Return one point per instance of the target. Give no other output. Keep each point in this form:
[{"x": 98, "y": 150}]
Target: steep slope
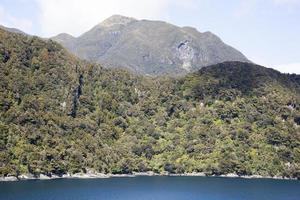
[
  {"x": 150, "y": 47},
  {"x": 60, "y": 115}
]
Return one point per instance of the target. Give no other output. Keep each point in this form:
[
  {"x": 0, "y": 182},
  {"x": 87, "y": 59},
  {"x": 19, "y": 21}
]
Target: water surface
[{"x": 152, "y": 188}]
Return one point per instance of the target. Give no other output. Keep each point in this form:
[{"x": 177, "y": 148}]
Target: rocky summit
[{"x": 149, "y": 47}]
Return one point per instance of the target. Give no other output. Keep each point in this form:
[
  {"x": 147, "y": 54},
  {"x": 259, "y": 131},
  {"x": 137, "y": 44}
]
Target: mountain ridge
[
  {"x": 150, "y": 47},
  {"x": 13, "y": 30}
]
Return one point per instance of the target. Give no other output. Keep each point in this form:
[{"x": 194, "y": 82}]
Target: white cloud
[
  {"x": 289, "y": 68},
  {"x": 244, "y": 8},
  {"x": 287, "y": 2},
  {"x": 10, "y": 21},
  {"x": 247, "y": 7},
  {"x": 77, "y": 16}
]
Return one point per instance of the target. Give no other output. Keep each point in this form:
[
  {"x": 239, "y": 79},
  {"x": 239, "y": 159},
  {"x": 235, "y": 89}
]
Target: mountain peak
[
  {"x": 117, "y": 20},
  {"x": 63, "y": 37},
  {"x": 151, "y": 47}
]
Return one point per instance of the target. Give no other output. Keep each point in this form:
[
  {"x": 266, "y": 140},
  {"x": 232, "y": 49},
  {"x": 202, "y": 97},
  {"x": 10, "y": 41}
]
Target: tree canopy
[{"x": 59, "y": 114}]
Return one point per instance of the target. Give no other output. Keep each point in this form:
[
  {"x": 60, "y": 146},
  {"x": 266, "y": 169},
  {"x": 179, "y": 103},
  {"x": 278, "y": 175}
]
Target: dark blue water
[{"x": 152, "y": 188}]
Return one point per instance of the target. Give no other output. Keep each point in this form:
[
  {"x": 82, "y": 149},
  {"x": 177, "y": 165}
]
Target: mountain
[
  {"x": 149, "y": 47},
  {"x": 61, "y": 115},
  {"x": 64, "y": 39}
]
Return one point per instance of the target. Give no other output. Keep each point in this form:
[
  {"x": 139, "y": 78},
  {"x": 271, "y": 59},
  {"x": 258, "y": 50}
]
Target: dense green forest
[{"x": 59, "y": 114}]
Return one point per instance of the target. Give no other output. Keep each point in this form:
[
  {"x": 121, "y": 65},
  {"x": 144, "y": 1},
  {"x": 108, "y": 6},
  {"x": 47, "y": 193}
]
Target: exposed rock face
[
  {"x": 186, "y": 54},
  {"x": 149, "y": 47}
]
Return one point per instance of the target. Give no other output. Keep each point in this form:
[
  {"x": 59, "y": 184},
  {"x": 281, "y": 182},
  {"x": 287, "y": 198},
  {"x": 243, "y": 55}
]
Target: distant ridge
[{"x": 13, "y": 30}]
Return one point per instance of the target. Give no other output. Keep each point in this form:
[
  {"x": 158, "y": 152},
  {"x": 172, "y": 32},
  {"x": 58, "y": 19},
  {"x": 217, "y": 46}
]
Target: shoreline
[{"x": 25, "y": 177}]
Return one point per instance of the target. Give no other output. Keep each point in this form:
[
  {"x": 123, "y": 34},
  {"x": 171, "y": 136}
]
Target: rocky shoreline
[{"x": 134, "y": 174}]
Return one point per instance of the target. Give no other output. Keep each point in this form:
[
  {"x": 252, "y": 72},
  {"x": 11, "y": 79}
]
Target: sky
[{"x": 265, "y": 31}]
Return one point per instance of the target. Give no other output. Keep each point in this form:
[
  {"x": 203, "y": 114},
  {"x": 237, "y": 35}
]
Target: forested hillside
[{"x": 61, "y": 115}]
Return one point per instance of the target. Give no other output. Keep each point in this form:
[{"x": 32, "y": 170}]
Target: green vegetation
[{"x": 59, "y": 114}]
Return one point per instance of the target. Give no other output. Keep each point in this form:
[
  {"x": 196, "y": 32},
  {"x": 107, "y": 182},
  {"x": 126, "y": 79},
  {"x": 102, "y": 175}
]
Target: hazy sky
[{"x": 266, "y": 31}]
